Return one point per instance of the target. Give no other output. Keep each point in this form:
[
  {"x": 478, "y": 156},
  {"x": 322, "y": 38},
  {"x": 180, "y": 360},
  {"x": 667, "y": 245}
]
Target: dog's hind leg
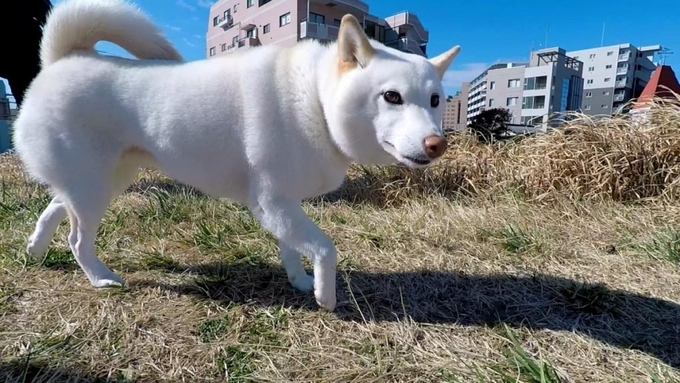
[
  {"x": 47, "y": 225},
  {"x": 55, "y": 213},
  {"x": 86, "y": 206}
]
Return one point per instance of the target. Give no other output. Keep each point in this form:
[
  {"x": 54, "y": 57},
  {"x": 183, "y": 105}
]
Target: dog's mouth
[
  {"x": 406, "y": 160},
  {"x": 418, "y": 161}
]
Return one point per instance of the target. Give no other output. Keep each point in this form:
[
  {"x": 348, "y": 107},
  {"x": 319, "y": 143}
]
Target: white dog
[{"x": 267, "y": 127}]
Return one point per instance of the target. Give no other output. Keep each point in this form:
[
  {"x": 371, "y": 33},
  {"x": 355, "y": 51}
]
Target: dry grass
[
  {"x": 587, "y": 159},
  {"x": 521, "y": 263}
]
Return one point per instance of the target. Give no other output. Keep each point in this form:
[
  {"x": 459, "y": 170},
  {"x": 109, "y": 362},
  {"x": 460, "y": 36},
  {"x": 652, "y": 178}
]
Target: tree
[{"x": 491, "y": 124}]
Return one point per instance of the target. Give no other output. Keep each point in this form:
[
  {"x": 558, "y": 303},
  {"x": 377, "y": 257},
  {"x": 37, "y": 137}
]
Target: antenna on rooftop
[
  {"x": 602, "y": 39},
  {"x": 663, "y": 53}
]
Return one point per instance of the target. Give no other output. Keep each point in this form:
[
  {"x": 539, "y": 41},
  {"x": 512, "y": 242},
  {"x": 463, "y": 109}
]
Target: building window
[
  {"x": 492, "y": 85},
  {"x": 587, "y": 107},
  {"x": 605, "y": 93},
  {"x": 511, "y": 101},
  {"x": 490, "y": 102},
  {"x": 589, "y": 81},
  {"x": 531, "y": 83},
  {"x": 533, "y": 102},
  {"x": 317, "y": 18},
  {"x": 250, "y": 3},
  {"x": 591, "y": 68},
  {"x": 513, "y": 83},
  {"x": 610, "y": 53},
  {"x": 266, "y": 29},
  {"x": 607, "y": 79},
  {"x": 250, "y": 33},
  {"x": 224, "y": 47},
  {"x": 235, "y": 7},
  {"x": 227, "y": 14},
  {"x": 216, "y": 21},
  {"x": 609, "y": 66},
  {"x": 589, "y": 94},
  {"x": 336, "y": 22},
  {"x": 212, "y": 51},
  {"x": 234, "y": 40},
  {"x": 284, "y": 19},
  {"x": 592, "y": 55},
  {"x": 605, "y": 106}
]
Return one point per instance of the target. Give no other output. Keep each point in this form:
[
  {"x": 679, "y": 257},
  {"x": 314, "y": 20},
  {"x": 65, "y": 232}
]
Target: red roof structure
[{"x": 660, "y": 85}]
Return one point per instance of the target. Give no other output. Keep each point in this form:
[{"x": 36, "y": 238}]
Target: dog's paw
[
  {"x": 303, "y": 282},
  {"x": 325, "y": 299},
  {"x": 111, "y": 281},
  {"x": 36, "y": 249}
]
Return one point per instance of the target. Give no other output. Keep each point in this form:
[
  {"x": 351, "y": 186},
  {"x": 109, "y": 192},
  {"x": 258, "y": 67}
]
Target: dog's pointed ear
[
  {"x": 354, "y": 49},
  {"x": 445, "y": 59}
]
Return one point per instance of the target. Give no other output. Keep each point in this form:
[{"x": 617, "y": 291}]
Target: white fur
[{"x": 267, "y": 127}]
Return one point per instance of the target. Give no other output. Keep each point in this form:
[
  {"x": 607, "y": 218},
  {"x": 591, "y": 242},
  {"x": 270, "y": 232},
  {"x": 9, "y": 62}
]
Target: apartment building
[
  {"x": 534, "y": 92},
  {"x": 613, "y": 75},
  {"x": 240, "y": 24},
  {"x": 553, "y": 84},
  {"x": 455, "y": 114},
  {"x": 484, "y": 90}
]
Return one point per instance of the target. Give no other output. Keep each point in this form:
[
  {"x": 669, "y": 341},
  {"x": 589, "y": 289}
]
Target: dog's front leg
[{"x": 289, "y": 223}]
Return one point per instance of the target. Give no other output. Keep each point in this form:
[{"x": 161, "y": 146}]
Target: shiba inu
[{"x": 266, "y": 127}]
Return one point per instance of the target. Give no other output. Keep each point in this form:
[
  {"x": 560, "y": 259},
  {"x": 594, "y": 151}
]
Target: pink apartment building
[{"x": 240, "y": 24}]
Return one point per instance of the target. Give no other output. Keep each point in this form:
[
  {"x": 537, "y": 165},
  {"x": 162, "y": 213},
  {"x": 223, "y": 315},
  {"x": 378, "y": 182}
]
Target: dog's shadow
[{"x": 617, "y": 318}]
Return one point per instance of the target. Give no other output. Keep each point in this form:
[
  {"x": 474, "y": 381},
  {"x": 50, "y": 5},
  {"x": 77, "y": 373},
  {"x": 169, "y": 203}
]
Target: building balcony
[
  {"x": 312, "y": 30},
  {"x": 401, "y": 21},
  {"x": 225, "y": 22},
  {"x": 354, "y": 4},
  {"x": 538, "y": 86},
  {"x": 620, "y": 84},
  {"x": 405, "y": 44},
  {"x": 624, "y": 57},
  {"x": 245, "y": 42},
  {"x": 621, "y": 70},
  {"x": 619, "y": 96}
]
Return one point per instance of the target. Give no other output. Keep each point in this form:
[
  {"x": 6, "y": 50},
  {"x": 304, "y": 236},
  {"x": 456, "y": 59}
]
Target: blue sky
[{"x": 502, "y": 31}]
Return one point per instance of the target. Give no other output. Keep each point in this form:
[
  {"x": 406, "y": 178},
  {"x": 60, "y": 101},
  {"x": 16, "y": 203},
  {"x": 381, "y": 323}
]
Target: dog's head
[{"x": 387, "y": 106}]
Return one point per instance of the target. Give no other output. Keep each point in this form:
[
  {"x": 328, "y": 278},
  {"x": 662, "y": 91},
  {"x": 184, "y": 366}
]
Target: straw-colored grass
[
  {"x": 587, "y": 159},
  {"x": 554, "y": 259}
]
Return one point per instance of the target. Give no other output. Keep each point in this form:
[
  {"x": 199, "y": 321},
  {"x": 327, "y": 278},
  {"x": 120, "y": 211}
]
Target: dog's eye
[
  {"x": 434, "y": 101},
  {"x": 393, "y": 97}
]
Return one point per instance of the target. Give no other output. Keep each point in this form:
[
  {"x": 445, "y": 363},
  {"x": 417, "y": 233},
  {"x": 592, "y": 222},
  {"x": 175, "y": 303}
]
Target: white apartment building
[
  {"x": 613, "y": 75},
  {"x": 535, "y": 92},
  {"x": 478, "y": 88}
]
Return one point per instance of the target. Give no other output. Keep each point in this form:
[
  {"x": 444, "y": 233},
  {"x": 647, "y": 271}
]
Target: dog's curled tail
[{"x": 80, "y": 24}]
